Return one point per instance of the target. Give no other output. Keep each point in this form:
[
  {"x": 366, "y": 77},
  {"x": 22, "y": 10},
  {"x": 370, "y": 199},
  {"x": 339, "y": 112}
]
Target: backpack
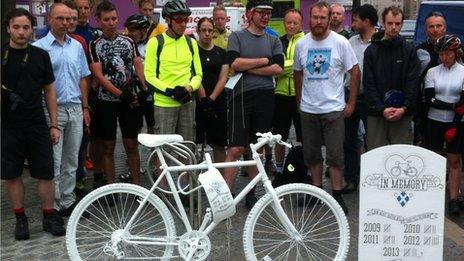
[
  {"x": 160, "y": 39},
  {"x": 295, "y": 170}
]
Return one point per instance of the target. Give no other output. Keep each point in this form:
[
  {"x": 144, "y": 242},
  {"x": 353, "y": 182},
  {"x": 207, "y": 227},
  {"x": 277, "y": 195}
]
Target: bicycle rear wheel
[
  {"x": 317, "y": 217},
  {"x": 104, "y": 213}
]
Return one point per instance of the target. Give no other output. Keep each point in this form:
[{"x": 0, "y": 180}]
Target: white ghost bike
[{"x": 128, "y": 222}]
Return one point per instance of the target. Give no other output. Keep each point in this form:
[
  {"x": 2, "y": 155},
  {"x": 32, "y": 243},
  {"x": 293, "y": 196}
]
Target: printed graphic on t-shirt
[
  {"x": 116, "y": 57},
  {"x": 318, "y": 63}
]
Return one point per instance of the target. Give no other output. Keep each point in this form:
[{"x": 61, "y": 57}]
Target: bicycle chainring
[{"x": 190, "y": 240}]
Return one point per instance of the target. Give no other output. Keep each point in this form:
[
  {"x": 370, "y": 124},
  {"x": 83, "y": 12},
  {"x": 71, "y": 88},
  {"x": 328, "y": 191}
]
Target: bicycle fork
[{"x": 283, "y": 218}]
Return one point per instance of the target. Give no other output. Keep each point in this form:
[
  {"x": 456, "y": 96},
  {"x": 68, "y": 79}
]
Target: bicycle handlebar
[{"x": 268, "y": 138}]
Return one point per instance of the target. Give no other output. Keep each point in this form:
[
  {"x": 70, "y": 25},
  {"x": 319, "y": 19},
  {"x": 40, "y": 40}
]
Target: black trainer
[
  {"x": 453, "y": 207},
  {"x": 342, "y": 204},
  {"x": 22, "y": 228},
  {"x": 250, "y": 201},
  {"x": 53, "y": 224},
  {"x": 349, "y": 188},
  {"x": 68, "y": 211},
  {"x": 99, "y": 183}
]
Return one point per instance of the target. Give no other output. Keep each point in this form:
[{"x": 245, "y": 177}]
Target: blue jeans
[{"x": 351, "y": 144}]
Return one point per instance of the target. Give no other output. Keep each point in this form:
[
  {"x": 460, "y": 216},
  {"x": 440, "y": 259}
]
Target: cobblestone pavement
[{"x": 226, "y": 244}]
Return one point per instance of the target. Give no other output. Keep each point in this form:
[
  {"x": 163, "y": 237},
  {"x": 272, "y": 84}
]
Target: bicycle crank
[{"x": 194, "y": 245}]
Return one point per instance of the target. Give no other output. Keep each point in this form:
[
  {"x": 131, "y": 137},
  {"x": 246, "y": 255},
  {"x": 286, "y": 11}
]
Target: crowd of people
[{"x": 64, "y": 96}]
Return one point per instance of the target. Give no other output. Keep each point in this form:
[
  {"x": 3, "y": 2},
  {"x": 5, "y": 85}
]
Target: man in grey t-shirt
[{"x": 259, "y": 57}]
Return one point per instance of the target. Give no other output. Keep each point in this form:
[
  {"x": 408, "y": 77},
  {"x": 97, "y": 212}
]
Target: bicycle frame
[{"x": 205, "y": 228}]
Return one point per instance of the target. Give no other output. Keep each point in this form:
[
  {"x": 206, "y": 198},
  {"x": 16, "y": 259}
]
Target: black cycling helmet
[
  {"x": 261, "y": 4},
  {"x": 138, "y": 20},
  {"x": 175, "y": 7},
  {"x": 449, "y": 42}
]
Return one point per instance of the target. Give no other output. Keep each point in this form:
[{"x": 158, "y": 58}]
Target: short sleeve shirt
[
  {"x": 249, "y": 45},
  {"x": 27, "y": 80},
  {"x": 211, "y": 62},
  {"x": 324, "y": 64},
  {"x": 448, "y": 85},
  {"x": 116, "y": 57}
]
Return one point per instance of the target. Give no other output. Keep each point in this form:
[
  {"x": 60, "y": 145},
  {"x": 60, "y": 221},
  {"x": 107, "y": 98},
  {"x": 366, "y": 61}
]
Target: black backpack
[{"x": 295, "y": 170}]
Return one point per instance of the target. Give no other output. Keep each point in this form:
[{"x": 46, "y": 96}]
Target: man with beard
[
  {"x": 364, "y": 20},
  {"x": 336, "y": 20},
  {"x": 390, "y": 78},
  {"x": 320, "y": 96},
  {"x": 259, "y": 57}
]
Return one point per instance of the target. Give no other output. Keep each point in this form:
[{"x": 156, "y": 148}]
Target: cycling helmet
[
  {"x": 139, "y": 20},
  {"x": 449, "y": 42},
  {"x": 394, "y": 98},
  {"x": 175, "y": 7},
  {"x": 261, "y": 4}
]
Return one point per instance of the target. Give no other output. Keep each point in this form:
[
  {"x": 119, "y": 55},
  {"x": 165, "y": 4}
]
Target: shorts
[
  {"x": 147, "y": 111},
  {"x": 107, "y": 115},
  {"x": 435, "y": 137},
  {"x": 319, "y": 129},
  {"x": 176, "y": 120},
  {"x": 286, "y": 112},
  {"x": 247, "y": 114},
  {"x": 212, "y": 129},
  {"x": 30, "y": 141}
]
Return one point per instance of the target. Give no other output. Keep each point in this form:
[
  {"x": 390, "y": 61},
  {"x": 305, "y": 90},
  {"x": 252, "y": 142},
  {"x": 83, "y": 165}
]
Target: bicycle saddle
[{"x": 156, "y": 140}]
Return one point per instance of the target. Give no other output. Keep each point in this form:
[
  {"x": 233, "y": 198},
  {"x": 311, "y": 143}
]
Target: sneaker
[
  {"x": 125, "y": 177},
  {"x": 327, "y": 173},
  {"x": 88, "y": 165},
  {"x": 80, "y": 190},
  {"x": 453, "y": 207},
  {"x": 21, "y": 228},
  {"x": 342, "y": 204},
  {"x": 250, "y": 201},
  {"x": 349, "y": 188},
  {"x": 53, "y": 224}
]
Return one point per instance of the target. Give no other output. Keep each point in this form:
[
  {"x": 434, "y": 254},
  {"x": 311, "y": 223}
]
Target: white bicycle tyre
[
  {"x": 101, "y": 192},
  {"x": 265, "y": 201}
]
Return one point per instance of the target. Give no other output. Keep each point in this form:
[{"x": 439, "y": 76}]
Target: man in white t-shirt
[{"x": 322, "y": 58}]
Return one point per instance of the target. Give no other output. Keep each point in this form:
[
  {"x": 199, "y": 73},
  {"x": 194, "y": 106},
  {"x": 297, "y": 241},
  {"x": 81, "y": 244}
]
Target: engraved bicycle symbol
[{"x": 405, "y": 168}]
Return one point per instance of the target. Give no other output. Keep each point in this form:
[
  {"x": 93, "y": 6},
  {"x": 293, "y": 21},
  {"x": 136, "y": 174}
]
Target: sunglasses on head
[{"x": 180, "y": 19}]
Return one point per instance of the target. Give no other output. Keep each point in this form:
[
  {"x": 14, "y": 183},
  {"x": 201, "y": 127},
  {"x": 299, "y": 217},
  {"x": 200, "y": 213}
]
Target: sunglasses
[
  {"x": 263, "y": 14},
  {"x": 181, "y": 19}
]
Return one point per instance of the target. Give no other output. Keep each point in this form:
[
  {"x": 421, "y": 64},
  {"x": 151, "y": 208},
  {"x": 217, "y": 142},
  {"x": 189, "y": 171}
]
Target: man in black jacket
[
  {"x": 390, "y": 77},
  {"x": 435, "y": 27}
]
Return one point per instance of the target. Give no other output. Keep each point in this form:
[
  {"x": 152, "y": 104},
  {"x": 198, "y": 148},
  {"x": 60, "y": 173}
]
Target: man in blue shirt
[
  {"x": 83, "y": 27},
  {"x": 70, "y": 69}
]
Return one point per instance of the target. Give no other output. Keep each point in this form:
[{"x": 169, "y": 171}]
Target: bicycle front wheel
[
  {"x": 319, "y": 220},
  {"x": 102, "y": 215}
]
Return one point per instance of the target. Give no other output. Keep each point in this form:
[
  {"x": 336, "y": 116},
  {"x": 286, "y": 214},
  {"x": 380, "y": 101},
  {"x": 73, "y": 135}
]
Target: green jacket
[
  {"x": 285, "y": 85},
  {"x": 175, "y": 67}
]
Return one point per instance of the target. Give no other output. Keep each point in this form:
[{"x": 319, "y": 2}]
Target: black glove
[
  {"x": 181, "y": 95},
  {"x": 142, "y": 95},
  {"x": 207, "y": 107},
  {"x": 126, "y": 96}
]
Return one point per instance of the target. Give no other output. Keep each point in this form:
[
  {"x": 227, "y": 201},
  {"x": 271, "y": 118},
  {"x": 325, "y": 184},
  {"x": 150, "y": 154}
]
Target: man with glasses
[
  {"x": 146, "y": 8},
  {"x": 322, "y": 58},
  {"x": 173, "y": 69},
  {"x": 259, "y": 57},
  {"x": 220, "y": 33},
  {"x": 435, "y": 27},
  {"x": 71, "y": 70}
]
